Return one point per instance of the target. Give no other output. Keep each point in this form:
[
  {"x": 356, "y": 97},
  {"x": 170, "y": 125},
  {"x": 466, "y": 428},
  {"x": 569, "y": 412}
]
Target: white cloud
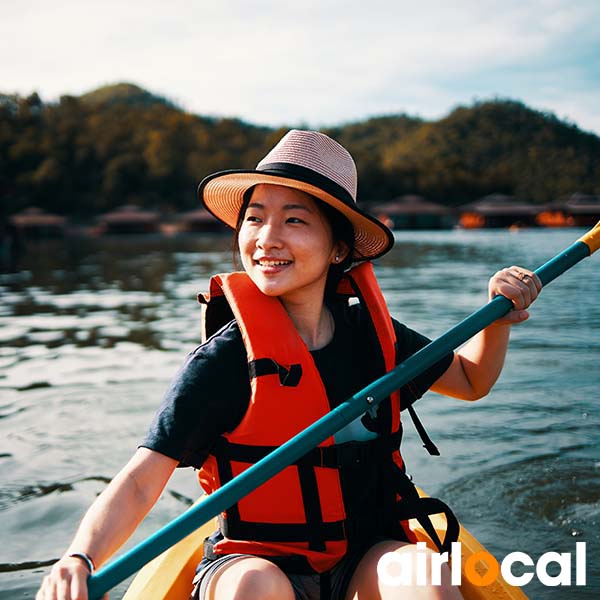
[{"x": 317, "y": 62}]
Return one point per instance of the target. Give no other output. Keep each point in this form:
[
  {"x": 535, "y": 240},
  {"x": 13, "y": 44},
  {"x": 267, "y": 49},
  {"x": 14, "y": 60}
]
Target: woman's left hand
[{"x": 520, "y": 286}]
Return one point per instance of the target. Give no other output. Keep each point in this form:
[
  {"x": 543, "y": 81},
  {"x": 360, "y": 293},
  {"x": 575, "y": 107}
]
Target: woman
[{"x": 284, "y": 347}]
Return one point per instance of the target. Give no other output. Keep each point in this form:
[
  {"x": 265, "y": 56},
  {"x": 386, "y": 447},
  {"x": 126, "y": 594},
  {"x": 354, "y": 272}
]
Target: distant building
[
  {"x": 579, "y": 210},
  {"x": 498, "y": 210},
  {"x": 583, "y": 209},
  {"x": 34, "y": 223},
  {"x": 200, "y": 221},
  {"x": 414, "y": 212},
  {"x": 129, "y": 220}
]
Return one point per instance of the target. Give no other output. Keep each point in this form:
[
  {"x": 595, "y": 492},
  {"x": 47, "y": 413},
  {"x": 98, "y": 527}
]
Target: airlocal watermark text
[{"x": 398, "y": 568}]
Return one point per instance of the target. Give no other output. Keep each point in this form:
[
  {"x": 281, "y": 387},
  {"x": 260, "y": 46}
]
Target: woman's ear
[{"x": 341, "y": 251}]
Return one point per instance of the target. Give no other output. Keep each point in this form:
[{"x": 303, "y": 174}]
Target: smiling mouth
[{"x": 273, "y": 263}]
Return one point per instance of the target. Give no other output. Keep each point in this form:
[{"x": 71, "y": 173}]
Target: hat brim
[{"x": 222, "y": 194}]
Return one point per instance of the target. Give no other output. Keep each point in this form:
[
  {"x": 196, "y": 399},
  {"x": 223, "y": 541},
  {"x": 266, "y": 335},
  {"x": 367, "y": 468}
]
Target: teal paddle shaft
[{"x": 312, "y": 436}]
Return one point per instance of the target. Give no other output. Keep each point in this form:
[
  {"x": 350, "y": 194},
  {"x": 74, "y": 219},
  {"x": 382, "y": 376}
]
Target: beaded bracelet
[{"x": 86, "y": 558}]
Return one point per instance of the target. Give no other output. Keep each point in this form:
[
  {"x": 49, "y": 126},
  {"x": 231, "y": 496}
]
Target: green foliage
[
  {"x": 123, "y": 93},
  {"x": 368, "y": 141},
  {"x": 123, "y": 145},
  {"x": 498, "y": 146}
]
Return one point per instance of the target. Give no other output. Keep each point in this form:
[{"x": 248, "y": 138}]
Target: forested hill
[{"x": 121, "y": 144}]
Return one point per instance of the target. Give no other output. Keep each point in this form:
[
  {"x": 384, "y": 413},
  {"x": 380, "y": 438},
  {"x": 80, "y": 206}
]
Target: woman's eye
[
  {"x": 295, "y": 220},
  {"x": 252, "y": 219}
]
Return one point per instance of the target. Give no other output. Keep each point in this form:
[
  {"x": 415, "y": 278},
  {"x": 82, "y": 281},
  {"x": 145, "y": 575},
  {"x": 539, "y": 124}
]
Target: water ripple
[
  {"x": 91, "y": 333},
  {"x": 12, "y": 495}
]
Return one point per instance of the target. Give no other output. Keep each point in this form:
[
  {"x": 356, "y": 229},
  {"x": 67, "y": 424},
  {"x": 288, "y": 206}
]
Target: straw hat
[{"x": 313, "y": 163}]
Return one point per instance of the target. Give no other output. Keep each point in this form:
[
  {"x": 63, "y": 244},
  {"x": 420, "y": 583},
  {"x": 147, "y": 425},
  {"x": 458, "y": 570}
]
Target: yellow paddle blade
[{"x": 592, "y": 238}]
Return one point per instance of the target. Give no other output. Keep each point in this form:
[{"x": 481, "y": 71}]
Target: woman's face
[{"x": 286, "y": 245}]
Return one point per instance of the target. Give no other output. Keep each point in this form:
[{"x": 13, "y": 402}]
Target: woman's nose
[{"x": 269, "y": 236}]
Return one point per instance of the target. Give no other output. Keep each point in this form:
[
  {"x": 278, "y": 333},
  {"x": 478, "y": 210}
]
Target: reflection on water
[{"x": 91, "y": 331}]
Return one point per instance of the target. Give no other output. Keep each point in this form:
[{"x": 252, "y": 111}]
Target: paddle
[{"x": 366, "y": 399}]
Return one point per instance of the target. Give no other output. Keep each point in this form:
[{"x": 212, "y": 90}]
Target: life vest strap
[
  {"x": 314, "y": 531},
  {"x": 288, "y": 376},
  {"x": 312, "y": 507},
  {"x": 412, "y": 506},
  {"x": 348, "y": 454},
  {"x": 421, "y": 509},
  {"x": 286, "y": 532},
  {"x": 427, "y": 441}
]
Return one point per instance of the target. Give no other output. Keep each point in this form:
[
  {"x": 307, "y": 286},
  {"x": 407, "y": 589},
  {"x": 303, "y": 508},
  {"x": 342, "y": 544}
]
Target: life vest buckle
[{"x": 288, "y": 376}]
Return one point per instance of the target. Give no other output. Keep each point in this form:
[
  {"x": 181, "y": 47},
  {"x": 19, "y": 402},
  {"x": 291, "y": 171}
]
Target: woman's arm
[
  {"x": 477, "y": 365},
  {"x": 109, "y": 522}
]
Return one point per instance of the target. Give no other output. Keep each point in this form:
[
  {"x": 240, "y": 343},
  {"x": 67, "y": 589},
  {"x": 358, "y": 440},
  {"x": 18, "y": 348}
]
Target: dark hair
[
  {"x": 341, "y": 230},
  {"x": 238, "y": 225}
]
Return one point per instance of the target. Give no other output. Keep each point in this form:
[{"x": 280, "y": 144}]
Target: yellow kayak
[{"x": 169, "y": 576}]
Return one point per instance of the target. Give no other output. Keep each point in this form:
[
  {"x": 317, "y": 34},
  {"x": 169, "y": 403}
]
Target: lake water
[{"x": 91, "y": 331}]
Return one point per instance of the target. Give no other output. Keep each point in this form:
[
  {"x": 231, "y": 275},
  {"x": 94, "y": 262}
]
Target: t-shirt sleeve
[
  {"x": 410, "y": 342},
  {"x": 207, "y": 397}
]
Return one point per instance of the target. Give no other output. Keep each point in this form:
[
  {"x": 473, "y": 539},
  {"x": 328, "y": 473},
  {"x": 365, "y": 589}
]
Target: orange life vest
[{"x": 300, "y": 511}]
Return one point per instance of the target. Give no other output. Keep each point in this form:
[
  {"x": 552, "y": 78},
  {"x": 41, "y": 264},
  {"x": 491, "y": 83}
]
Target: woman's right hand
[
  {"x": 66, "y": 581},
  {"x": 110, "y": 520}
]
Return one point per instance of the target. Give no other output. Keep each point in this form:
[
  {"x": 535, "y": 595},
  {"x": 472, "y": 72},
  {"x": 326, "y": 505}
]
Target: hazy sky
[{"x": 311, "y": 62}]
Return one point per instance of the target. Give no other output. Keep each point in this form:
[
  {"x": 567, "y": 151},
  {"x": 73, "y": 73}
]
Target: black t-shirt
[{"x": 211, "y": 392}]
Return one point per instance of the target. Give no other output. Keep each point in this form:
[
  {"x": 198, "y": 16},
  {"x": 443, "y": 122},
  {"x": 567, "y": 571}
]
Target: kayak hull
[{"x": 169, "y": 576}]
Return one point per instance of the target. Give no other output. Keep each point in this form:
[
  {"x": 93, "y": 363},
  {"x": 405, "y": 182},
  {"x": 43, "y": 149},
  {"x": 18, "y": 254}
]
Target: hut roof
[
  {"x": 500, "y": 204},
  {"x": 410, "y": 205},
  {"x": 583, "y": 203},
  {"x": 36, "y": 217},
  {"x": 200, "y": 215},
  {"x": 130, "y": 214}
]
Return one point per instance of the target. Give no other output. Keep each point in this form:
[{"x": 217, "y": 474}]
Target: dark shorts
[{"x": 306, "y": 587}]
